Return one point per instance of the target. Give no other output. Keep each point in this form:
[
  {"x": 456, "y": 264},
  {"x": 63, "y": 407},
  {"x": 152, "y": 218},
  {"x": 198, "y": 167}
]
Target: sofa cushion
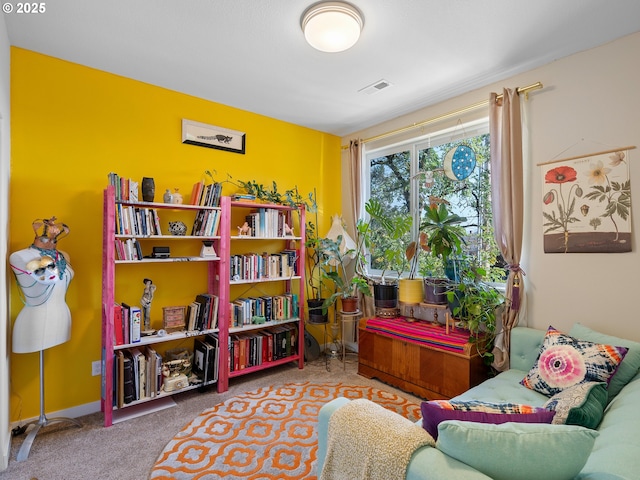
[
  {"x": 518, "y": 451},
  {"x": 630, "y": 364},
  {"x": 582, "y": 404},
  {"x": 437, "y": 411},
  {"x": 565, "y": 361}
]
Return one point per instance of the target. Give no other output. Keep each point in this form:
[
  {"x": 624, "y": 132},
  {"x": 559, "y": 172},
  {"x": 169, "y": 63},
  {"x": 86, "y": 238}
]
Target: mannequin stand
[{"x": 43, "y": 421}]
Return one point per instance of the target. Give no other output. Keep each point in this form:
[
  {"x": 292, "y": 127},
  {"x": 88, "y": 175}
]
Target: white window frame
[{"x": 456, "y": 133}]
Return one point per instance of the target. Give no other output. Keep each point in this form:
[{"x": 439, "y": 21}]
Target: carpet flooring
[
  {"x": 129, "y": 450},
  {"x": 266, "y": 434}
]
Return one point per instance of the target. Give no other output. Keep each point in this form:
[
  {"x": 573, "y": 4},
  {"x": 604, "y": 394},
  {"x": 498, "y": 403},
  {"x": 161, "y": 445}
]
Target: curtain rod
[{"x": 475, "y": 106}]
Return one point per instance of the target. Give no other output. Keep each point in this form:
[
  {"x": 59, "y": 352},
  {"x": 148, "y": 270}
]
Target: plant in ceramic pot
[
  {"x": 385, "y": 240},
  {"x": 347, "y": 283},
  {"x": 476, "y": 304},
  {"x": 444, "y": 239}
]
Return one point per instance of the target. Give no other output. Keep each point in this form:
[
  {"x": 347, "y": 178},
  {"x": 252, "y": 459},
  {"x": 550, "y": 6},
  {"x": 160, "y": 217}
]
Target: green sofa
[{"x": 615, "y": 453}]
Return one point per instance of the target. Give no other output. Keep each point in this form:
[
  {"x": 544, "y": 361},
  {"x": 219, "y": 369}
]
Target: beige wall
[{"x": 589, "y": 103}]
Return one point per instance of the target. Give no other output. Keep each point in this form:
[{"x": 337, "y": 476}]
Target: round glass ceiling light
[{"x": 332, "y": 26}]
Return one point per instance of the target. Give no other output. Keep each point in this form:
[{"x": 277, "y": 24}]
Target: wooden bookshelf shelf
[{"x": 285, "y": 333}]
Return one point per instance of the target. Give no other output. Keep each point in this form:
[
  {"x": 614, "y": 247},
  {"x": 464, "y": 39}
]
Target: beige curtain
[
  {"x": 507, "y": 200},
  {"x": 355, "y": 190}
]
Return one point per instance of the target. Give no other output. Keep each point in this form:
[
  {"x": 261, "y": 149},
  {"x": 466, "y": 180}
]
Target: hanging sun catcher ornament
[{"x": 459, "y": 162}]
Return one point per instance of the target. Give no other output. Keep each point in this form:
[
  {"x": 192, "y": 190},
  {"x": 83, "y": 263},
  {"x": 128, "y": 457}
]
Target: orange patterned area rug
[{"x": 267, "y": 434}]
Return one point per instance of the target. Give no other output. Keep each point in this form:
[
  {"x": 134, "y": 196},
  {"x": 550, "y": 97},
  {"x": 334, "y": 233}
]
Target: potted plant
[
  {"x": 475, "y": 303},
  {"x": 444, "y": 239},
  {"x": 346, "y": 285},
  {"x": 316, "y": 259},
  {"x": 386, "y": 246}
]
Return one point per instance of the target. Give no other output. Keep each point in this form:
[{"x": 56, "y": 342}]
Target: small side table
[{"x": 347, "y": 318}]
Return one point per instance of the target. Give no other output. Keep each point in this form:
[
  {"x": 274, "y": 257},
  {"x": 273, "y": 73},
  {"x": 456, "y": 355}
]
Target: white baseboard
[
  {"x": 4, "y": 460},
  {"x": 73, "y": 412}
]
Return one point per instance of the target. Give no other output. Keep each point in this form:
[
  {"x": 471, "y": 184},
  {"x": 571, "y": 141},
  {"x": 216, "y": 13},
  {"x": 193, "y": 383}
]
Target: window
[{"x": 393, "y": 178}]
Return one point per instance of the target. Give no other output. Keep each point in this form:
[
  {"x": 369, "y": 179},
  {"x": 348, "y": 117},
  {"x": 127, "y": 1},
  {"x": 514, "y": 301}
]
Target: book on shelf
[
  {"x": 126, "y": 189},
  {"x": 206, "y": 195},
  {"x": 135, "y": 322},
  {"x": 118, "y": 327},
  {"x": 205, "y": 358},
  {"x": 128, "y": 388},
  {"x": 208, "y": 305}
]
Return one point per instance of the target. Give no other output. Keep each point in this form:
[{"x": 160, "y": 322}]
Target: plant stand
[
  {"x": 42, "y": 421},
  {"x": 348, "y": 318}
]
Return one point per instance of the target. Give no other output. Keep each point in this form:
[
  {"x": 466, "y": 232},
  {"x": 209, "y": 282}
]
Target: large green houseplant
[
  {"x": 383, "y": 236},
  {"x": 347, "y": 283},
  {"x": 475, "y": 303},
  {"x": 444, "y": 240}
]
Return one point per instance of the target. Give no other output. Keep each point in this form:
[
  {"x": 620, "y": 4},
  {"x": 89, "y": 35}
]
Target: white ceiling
[{"x": 251, "y": 54}]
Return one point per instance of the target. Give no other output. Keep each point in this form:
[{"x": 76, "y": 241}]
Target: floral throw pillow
[{"x": 565, "y": 361}]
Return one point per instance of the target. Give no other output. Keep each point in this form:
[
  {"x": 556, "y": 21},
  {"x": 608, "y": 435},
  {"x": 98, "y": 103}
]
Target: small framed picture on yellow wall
[{"x": 210, "y": 136}]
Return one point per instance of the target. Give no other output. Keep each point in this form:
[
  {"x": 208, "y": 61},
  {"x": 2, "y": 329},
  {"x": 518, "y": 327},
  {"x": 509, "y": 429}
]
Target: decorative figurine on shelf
[
  {"x": 288, "y": 231},
  {"x": 244, "y": 230},
  {"x": 148, "y": 189},
  {"x": 178, "y": 228},
  {"x": 43, "y": 274},
  {"x": 145, "y": 302},
  {"x": 167, "y": 197},
  {"x": 177, "y": 197}
]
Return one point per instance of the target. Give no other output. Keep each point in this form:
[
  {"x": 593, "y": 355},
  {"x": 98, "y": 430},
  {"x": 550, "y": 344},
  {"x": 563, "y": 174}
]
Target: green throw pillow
[
  {"x": 518, "y": 451},
  {"x": 582, "y": 404},
  {"x": 629, "y": 366}
]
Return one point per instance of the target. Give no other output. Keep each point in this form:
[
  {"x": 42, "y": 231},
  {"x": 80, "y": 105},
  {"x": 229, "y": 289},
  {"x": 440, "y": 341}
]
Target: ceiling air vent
[{"x": 375, "y": 87}]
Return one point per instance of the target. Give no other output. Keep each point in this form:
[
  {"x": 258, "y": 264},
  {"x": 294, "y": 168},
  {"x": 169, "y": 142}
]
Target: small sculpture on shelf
[
  {"x": 244, "y": 230},
  {"x": 177, "y": 197},
  {"x": 145, "y": 302},
  {"x": 288, "y": 231},
  {"x": 167, "y": 197},
  {"x": 178, "y": 228}
]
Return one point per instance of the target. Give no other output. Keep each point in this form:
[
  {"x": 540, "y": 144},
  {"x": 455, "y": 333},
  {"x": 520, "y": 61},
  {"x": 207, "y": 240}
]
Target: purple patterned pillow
[
  {"x": 437, "y": 411},
  {"x": 565, "y": 361}
]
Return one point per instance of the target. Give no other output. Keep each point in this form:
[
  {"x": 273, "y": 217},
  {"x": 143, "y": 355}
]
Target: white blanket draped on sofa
[{"x": 367, "y": 441}]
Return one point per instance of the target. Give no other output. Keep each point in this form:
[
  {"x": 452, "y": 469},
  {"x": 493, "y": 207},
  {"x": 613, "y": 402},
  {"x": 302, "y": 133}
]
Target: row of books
[
  {"x": 266, "y": 308},
  {"x": 206, "y": 195},
  {"x": 127, "y": 324},
  {"x": 126, "y": 189},
  {"x": 206, "y": 359},
  {"x": 256, "y": 348},
  {"x": 206, "y": 223},
  {"x": 137, "y": 221},
  {"x": 137, "y": 375},
  {"x": 268, "y": 223},
  {"x": 202, "y": 313},
  {"x": 128, "y": 249},
  {"x": 253, "y": 266}
]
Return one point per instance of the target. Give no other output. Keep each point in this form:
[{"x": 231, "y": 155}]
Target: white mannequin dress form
[
  {"x": 43, "y": 274},
  {"x": 45, "y": 320}
]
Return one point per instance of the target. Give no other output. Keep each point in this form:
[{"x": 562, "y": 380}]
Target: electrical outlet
[{"x": 96, "y": 368}]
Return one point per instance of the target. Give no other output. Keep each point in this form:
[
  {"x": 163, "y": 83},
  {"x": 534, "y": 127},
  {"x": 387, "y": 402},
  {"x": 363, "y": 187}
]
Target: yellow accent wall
[{"x": 70, "y": 126}]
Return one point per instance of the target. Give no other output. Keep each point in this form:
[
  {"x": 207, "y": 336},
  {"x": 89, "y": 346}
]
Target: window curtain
[
  {"x": 505, "y": 127},
  {"x": 355, "y": 197}
]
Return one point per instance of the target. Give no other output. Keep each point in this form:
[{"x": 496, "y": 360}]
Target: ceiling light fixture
[{"x": 332, "y": 26}]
